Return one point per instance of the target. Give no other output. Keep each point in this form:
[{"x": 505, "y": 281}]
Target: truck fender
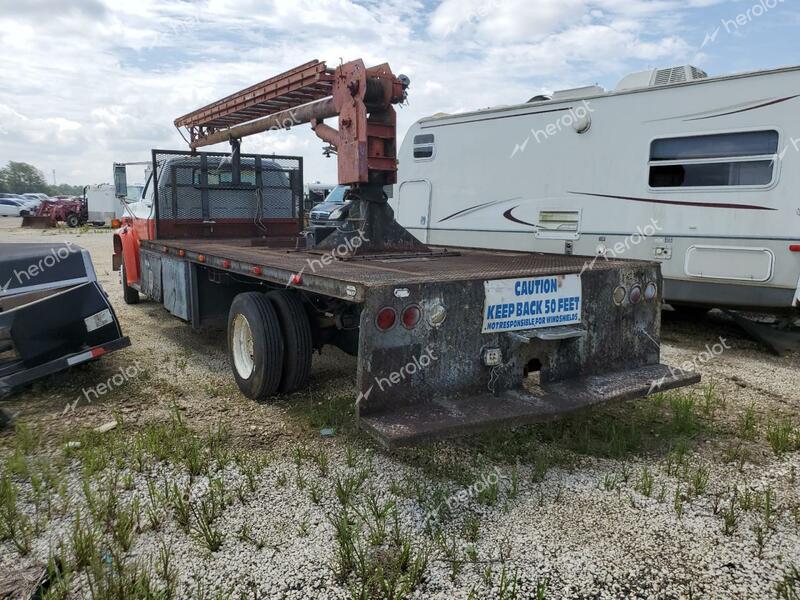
[{"x": 126, "y": 248}]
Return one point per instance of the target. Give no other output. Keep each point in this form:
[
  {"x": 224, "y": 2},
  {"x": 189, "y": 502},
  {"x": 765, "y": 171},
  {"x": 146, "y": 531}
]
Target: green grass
[
  {"x": 747, "y": 423},
  {"x": 14, "y": 524},
  {"x": 783, "y": 436}
]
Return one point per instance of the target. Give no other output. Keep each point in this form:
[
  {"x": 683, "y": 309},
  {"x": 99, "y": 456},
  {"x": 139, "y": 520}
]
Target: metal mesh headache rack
[{"x": 212, "y": 189}]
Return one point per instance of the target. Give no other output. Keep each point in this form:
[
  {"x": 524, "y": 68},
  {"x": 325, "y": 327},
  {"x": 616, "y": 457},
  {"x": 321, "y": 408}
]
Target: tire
[
  {"x": 255, "y": 345},
  {"x": 297, "y": 337},
  {"x": 72, "y": 220},
  {"x": 130, "y": 295}
]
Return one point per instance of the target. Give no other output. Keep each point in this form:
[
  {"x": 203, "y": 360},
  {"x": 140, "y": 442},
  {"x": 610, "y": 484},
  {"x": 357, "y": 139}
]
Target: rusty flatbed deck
[{"x": 443, "y": 266}]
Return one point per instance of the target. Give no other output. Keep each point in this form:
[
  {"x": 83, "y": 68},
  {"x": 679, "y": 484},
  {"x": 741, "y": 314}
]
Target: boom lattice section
[{"x": 301, "y": 85}]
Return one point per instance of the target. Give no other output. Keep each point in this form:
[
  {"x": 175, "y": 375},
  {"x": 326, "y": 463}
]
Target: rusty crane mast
[{"x": 363, "y": 99}]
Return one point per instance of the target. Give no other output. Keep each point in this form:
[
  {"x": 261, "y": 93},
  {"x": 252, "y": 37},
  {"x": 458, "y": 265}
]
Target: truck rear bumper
[{"x": 450, "y": 417}]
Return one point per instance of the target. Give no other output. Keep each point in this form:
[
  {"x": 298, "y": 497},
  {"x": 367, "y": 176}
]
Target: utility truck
[{"x": 448, "y": 340}]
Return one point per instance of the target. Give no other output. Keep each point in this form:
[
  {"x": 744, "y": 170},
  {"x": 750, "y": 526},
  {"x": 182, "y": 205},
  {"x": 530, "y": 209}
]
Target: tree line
[{"x": 22, "y": 178}]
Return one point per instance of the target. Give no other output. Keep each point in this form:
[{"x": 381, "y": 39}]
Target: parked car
[
  {"x": 13, "y": 208},
  {"x": 26, "y": 202},
  {"x": 332, "y": 211},
  {"x": 36, "y": 199}
]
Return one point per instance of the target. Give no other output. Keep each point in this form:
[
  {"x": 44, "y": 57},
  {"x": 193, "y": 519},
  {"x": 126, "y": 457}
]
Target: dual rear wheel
[{"x": 269, "y": 343}]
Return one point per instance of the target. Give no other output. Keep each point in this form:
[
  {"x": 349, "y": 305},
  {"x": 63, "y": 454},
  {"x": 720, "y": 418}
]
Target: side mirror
[{"x": 120, "y": 181}]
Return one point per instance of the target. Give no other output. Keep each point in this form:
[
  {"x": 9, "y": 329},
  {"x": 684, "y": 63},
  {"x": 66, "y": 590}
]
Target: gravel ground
[{"x": 677, "y": 497}]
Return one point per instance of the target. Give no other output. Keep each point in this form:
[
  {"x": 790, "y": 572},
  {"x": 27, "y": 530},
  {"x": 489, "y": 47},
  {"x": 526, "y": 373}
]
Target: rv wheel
[
  {"x": 255, "y": 345},
  {"x": 72, "y": 220},
  {"x": 130, "y": 295},
  {"x": 296, "y": 331}
]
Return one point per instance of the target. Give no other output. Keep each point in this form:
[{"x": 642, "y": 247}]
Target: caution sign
[{"x": 532, "y": 303}]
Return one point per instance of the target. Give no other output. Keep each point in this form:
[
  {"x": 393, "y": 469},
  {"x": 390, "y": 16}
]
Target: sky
[{"x": 86, "y": 83}]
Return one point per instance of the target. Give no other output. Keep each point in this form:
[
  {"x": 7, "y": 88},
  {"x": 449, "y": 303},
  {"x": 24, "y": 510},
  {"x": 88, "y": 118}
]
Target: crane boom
[{"x": 366, "y": 141}]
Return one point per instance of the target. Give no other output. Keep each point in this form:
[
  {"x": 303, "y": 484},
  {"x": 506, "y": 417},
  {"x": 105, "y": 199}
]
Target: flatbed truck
[{"x": 448, "y": 340}]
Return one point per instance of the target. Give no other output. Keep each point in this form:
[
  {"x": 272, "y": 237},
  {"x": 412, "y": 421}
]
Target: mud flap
[{"x": 449, "y": 417}]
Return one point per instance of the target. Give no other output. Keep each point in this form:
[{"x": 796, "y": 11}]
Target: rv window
[
  {"x": 424, "y": 146},
  {"x": 720, "y": 160}
]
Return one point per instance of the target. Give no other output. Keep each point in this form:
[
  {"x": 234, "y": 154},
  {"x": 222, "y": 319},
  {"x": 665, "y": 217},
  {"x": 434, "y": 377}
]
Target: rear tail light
[
  {"x": 619, "y": 295},
  {"x": 116, "y": 224},
  {"x": 386, "y": 318},
  {"x": 635, "y": 295},
  {"x": 794, "y": 248},
  {"x": 650, "y": 292},
  {"x": 411, "y": 316}
]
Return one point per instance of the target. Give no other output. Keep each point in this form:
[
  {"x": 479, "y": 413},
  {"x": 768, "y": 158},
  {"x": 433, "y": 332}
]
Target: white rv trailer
[{"x": 701, "y": 174}]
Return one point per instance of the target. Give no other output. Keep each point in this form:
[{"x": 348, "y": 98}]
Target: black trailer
[
  {"x": 53, "y": 312},
  {"x": 447, "y": 340}
]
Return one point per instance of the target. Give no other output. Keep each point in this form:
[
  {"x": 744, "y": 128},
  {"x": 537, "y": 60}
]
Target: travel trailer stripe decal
[
  {"x": 511, "y": 217},
  {"x": 678, "y": 203},
  {"x": 476, "y": 207},
  {"x": 734, "y": 112}
]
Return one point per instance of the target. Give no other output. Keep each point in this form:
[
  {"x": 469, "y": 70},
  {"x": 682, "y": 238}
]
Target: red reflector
[
  {"x": 97, "y": 352},
  {"x": 411, "y": 317},
  {"x": 181, "y": 252},
  {"x": 226, "y": 263},
  {"x": 164, "y": 249},
  {"x": 386, "y": 319},
  {"x": 256, "y": 270},
  {"x": 201, "y": 257},
  {"x": 794, "y": 248},
  {"x": 296, "y": 279}
]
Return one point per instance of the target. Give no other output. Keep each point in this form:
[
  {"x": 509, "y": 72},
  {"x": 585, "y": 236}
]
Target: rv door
[{"x": 414, "y": 208}]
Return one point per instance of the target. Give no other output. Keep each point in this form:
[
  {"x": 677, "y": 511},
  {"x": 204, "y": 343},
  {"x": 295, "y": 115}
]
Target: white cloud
[{"x": 91, "y": 82}]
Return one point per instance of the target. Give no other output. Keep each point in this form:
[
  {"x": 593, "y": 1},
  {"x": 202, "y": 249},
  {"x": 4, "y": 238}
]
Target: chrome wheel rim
[{"x": 243, "y": 360}]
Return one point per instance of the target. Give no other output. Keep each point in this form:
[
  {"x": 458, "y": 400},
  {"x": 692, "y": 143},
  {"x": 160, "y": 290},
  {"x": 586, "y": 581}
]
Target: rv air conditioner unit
[{"x": 657, "y": 77}]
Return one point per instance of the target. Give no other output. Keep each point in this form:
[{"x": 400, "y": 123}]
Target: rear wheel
[
  {"x": 296, "y": 331},
  {"x": 255, "y": 345},
  {"x": 130, "y": 295}
]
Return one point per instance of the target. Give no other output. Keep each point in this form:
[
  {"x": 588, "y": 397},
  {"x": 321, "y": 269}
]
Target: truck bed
[{"x": 279, "y": 261}]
